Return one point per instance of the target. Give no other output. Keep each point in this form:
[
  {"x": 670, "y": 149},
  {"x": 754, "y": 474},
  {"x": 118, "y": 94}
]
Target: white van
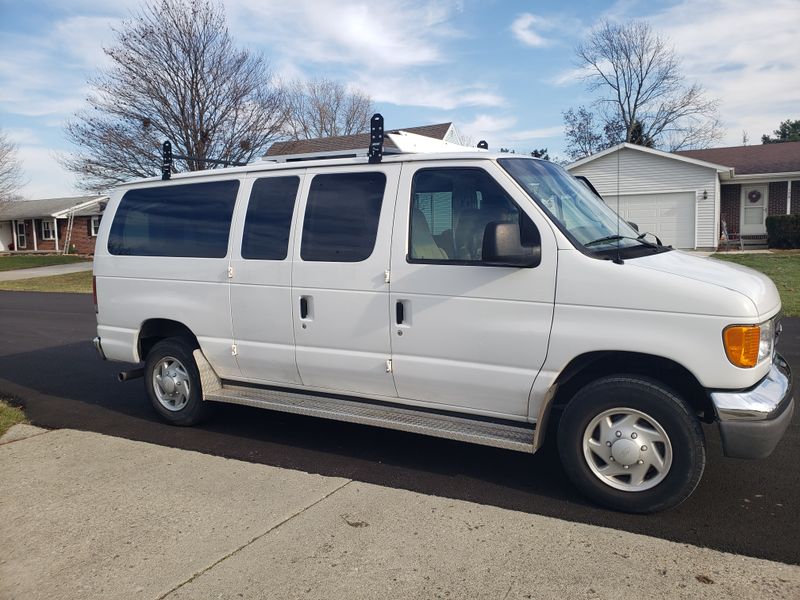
[{"x": 475, "y": 296}]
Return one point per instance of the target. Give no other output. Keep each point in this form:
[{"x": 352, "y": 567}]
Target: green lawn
[
  {"x": 79, "y": 283},
  {"x": 9, "y": 415},
  {"x": 11, "y": 263},
  {"x": 782, "y": 267}
]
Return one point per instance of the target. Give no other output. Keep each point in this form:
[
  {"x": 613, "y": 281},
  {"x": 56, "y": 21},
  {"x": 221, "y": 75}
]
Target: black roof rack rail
[
  {"x": 167, "y": 157},
  {"x": 376, "y": 138}
]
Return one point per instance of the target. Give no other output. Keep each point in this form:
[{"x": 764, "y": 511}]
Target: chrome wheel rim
[
  {"x": 171, "y": 383},
  {"x": 627, "y": 449}
]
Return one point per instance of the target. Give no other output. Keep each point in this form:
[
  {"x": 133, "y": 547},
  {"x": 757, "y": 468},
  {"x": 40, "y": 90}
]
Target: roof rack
[
  {"x": 403, "y": 142},
  {"x": 167, "y": 158}
]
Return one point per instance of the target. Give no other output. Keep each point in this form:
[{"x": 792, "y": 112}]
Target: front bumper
[{"x": 752, "y": 422}]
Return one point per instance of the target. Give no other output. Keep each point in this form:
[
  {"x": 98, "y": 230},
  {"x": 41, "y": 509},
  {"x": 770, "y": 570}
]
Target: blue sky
[{"x": 501, "y": 70}]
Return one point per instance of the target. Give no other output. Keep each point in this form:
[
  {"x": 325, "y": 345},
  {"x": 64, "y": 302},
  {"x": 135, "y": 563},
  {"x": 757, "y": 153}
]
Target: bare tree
[
  {"x": 581, "y": 131},
  {"x": 642, "y": 95},
  {"x": 175, "y": 74},
  {"x": 325, "y": 108},
  {"x": 10, "y": 169}
]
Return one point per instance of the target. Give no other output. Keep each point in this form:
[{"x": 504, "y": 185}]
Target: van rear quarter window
[
  {"x": 192, "y": 220},
  {"x": 269, "y": 218},
  {"x": 341, "y": 220}
]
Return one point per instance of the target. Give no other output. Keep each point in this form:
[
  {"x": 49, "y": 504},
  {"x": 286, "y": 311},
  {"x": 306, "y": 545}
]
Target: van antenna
[
  {"x": 375, "y": 138},
  {"x": 618, "y": 260},
  {"x": 167, "y": 157}
]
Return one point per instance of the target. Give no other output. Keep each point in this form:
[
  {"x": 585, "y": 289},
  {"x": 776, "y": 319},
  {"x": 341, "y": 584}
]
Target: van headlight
[{"x": 748, "y": 345}]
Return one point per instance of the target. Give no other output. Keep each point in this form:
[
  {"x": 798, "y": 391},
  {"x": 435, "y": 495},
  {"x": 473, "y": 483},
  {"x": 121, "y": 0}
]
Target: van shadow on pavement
[{"x": 744, "y": 507}]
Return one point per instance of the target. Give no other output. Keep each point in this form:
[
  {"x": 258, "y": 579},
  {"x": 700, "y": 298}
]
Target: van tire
[
  {"x": 631, "y": 444},
  {"x": 173, "y": 384}
]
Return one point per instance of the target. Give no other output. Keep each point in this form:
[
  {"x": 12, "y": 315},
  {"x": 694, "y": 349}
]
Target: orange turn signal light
[{"x": 741, "y": 344}]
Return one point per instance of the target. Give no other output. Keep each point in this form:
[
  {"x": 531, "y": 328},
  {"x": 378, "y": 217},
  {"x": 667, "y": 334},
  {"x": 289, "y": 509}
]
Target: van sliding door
[{"x": 340, "y": 293}]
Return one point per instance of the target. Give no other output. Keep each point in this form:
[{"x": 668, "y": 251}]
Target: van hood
[{"x": 750, "y": 283}]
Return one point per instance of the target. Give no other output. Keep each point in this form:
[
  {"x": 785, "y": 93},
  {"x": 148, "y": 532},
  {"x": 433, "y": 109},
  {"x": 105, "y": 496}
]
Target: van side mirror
[{"x": 502, "y": 246}]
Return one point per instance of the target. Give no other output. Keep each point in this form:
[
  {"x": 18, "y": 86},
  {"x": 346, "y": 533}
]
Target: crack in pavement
[{"x": 256, "y": 538}]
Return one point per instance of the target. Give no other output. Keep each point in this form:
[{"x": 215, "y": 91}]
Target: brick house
[
  {"x": 43, "y": 225},
  {"x": 766, "y": 181},
  {"x": 684, "y": 197}
]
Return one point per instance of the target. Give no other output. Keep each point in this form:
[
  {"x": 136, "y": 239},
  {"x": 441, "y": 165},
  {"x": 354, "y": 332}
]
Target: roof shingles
[
  {"x": 751, "y": 160},
  {"x": 34, "y": 209}
]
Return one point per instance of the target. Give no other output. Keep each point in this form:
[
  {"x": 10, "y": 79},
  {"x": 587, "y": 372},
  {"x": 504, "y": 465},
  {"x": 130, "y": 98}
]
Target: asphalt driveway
[{"x": 47, "y": 361}]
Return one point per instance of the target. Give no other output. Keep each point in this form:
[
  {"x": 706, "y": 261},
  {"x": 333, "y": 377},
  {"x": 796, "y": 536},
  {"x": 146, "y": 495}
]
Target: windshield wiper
[
  {"x": 615, "y": 238},
  {"x": 640, "y": 237}
]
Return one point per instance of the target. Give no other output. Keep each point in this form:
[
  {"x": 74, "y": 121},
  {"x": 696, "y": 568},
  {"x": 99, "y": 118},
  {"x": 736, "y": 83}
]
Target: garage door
[{"x": 670, "y": 216}]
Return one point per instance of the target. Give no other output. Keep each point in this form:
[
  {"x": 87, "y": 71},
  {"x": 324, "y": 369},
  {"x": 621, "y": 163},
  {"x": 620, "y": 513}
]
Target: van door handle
[
  {"x": 400, "y": 312},
  {"x": 303, "y": 307}
]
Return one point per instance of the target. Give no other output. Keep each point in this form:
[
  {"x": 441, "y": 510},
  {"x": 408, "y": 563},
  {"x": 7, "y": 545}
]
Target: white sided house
[
  {"x": 671, "y": 196},
  {"x": 685, "y": 198}
]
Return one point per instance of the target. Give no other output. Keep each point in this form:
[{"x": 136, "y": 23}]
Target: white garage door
[{"x": 670, "y": 216}]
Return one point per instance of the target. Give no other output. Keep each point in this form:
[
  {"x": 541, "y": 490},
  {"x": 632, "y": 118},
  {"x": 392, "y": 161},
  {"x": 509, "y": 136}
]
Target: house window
[
  {"x": 95, "y": 226},
  {"x": 22, "y": 238},
  {"x": 48, "y": 230}
]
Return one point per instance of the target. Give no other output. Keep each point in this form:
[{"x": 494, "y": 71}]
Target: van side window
[
  {"x": 192, "y": 220},
  {"x": 341, "y": 220},
  {"x": 450, "y": 209},
  {"x": 269, "y": 218}
]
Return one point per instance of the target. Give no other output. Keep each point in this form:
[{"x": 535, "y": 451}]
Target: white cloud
[
  {"x": 361, "y": 42},
  {"x": 411, "y": 90},
  {"x": 743, "y": 53},
  {"x": 570, "y": 76},
  {"x": 488, "y": 127},
  {"x": 22, "y": 135},
  {"x": 45, "y": 177},
  {"x": 397, "y": 34},
  {"x": 523, "y": 30},
  {"x": 500, "y": 131},
  {"x": 530, "y": 135},
  {"x": 47, "y": 74}
]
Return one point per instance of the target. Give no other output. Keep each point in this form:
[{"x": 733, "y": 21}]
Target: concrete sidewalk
[
  {"x": 84, "y": 515},
  {"x": 45, "y": 271}
]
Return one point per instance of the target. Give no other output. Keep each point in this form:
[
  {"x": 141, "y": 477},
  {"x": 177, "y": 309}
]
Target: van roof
[{"x": 266, "y": 165}]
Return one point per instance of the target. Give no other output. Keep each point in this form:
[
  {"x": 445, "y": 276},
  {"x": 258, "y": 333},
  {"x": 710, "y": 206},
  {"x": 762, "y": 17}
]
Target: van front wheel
[
  {"x": 631, "y": 444},
  {"x": 173, "y": 383}
]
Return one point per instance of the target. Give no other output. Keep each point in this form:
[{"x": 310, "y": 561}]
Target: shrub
[{"x": 783, "y": 231}]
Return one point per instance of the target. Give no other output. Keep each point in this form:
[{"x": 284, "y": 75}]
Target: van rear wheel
[
  {"x": 173, "y": 383},
  {"x": 631, "y": 444}
]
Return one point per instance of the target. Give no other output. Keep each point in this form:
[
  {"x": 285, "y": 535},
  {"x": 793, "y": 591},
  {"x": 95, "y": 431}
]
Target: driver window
[{"x": 450, "y": 210}]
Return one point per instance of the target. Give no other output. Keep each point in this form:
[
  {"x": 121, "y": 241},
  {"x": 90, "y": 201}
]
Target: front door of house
[{"x": 754, "y": 209}]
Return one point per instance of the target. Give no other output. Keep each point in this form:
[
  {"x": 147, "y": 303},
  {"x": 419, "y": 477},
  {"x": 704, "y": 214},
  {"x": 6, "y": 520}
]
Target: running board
[{"x": 388, "y": 416}]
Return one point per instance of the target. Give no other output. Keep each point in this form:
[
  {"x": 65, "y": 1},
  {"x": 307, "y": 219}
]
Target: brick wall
[
  {"x": 43, "y": 244},
  {"x": 796, "y": 197},
  {"x": 729, "y": 205},
  {"x": 777, "y": 197},
  {"x": 82, "y": 237}
]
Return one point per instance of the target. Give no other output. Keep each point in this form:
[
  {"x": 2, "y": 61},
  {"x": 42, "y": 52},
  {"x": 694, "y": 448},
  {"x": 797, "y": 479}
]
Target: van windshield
[{"x": 579, "y": 213}]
